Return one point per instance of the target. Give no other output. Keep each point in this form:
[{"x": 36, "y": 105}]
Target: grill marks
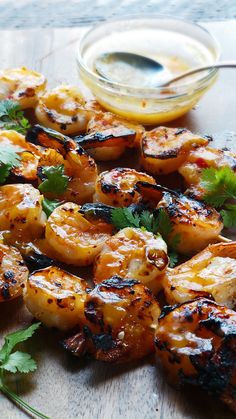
[{"x": 205, "y": 354}]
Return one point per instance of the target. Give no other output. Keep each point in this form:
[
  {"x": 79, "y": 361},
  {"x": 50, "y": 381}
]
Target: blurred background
[{"x": 71, "y": 13}]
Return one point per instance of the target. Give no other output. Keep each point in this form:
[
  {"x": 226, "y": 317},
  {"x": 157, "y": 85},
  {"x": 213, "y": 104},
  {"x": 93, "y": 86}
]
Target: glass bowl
[{"x": 160, "y": 38}]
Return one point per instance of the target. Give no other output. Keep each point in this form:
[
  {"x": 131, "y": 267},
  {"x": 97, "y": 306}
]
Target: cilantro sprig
[
  {"x": 8, "y": 160},
  {"x": 54, "y": 179},
  {"x": 220, "y": 187},
  {"x": 17, "y": 361},
  {"x": 12, "y": 117},
  {"x": 158, "y": 223},
  {"x": 49, "y": 205}
]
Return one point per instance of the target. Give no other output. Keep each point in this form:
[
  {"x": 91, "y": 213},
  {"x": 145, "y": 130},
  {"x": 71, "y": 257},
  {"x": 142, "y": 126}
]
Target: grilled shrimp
[
  {"x": 211, "y": 272},
  {"x": 29, "y": 155},
  {"x": 197, "y": 224},
  {"x": 200, "y": 159},
  {"x": 13, "y": 273},
  {"x": 63, "y": 109},
  {"x": 21, "y": 211},
  {"x": 203, "y": 158},
  {"x": 22, "y": 85},
  {"x": 80, "y": 167},
  {"x": 165, "y": 149},
  {"x": 108, "y": 136},
  {"x": 121, "y": 316},
  {"x": 196, "y": 344},
  {"x": 117, "y": 186},
  {"x": 56, "y": 297},
  {"x": 73, "y": 239},
  {"x": 133, "y": 253}
]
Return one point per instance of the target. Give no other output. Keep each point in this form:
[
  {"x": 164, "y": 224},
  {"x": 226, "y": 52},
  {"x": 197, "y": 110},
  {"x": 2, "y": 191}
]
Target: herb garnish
[
  {"x": 49, "y": 205},
  {"x": 54, "y": 179},
  {"x": 17, "y": 362},
  {"x": 8, "y": 159},
  {"x": 220, "y": 186},
  {"x": 12, "y": 117},
  {"x": 158, "y": 223}
]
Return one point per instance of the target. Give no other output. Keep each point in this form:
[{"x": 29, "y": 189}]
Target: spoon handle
[{"x": 223, "y": 64}]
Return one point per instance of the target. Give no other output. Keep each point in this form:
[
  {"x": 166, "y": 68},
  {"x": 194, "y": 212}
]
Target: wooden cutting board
[{"x": 64, "y": 387}]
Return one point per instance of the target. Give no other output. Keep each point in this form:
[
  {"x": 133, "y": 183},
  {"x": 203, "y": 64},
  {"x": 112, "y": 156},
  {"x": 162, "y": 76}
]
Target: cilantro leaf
[
  {"x": 229, "y": 215},
  {"x": 9, "y": 108},
  {"x": 156, "y": 224},
  {"x": 56, "y": 181},
  {"x": 175, "y": 241},
  {"x": 5, "y": 170},
  {"x": 8, "y": 159},
  {"x": 12, "y": 117},
  {"x": 173, "y": 257},
  {"x": 147, "y": 221},
  {"x": 8, "y": 155},
  {"x": 164, "y": 223},
  {"x": 219, "y": 184},
  {"x": 123, "y": 217},
  {"x": 13, "y": 339},
  {"x": 19, "y": 361},
  {"x": 49, "y": 205}
]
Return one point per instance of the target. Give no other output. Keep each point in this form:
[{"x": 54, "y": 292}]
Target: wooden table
[
  {"x": 73, "y": 13},
  {"x": 64, "y": 387}
]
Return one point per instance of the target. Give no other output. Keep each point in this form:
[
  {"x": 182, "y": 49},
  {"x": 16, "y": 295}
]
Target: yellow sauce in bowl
[{"x": 177, "y": 45}]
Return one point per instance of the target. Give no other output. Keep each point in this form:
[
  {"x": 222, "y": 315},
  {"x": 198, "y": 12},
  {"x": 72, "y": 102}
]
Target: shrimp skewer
[
  {"x": 29, "y": 155},
  {"x": 211, "y": 272},
  {"x": 196, "y": 344},
  {"x": 13, "y": 273},
  {"x": 80, "y": 167},
  {"x": 165, "y": 149},
  {"x": 63, "y": 109},
  {"x": 133, "y": 253},
  {"x": 72, "y": 238},
  {"x": 117, "y": 186},
  {"x": 108, "y": 136},
  {"x": 196, "y": 223},
  {"x": 22, "y": 85},
  {"x": 200, "y": 159},
  {"x": 56, "y": 297},
  {"x": 121, "y": 318},
  {"x": 21, "y": 211}
]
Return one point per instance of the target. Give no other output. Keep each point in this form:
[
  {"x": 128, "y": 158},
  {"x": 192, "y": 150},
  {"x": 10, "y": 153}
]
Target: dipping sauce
[
  {"x": 158, "y": 44},
  {"x": 177, "y": 45}
]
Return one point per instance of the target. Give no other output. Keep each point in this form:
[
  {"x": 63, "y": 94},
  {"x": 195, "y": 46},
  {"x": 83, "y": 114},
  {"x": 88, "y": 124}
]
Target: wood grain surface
[
  {"x": 71, "y": 13},
  {"x": 64, "y": 387}
]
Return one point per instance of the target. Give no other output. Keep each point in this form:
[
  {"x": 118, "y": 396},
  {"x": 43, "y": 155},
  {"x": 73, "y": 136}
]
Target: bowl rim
[{"x": 179, "y": 89}]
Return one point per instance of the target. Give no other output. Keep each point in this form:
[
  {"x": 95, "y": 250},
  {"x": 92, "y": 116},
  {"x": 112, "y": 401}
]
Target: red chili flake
[{"x": 201, "y": 163}]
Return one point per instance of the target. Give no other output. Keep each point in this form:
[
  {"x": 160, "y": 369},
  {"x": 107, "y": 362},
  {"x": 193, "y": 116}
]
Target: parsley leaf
[
  {"x": 173, "y": 257},
  {"x": 229, "y": 215},
  {"x": 12, "y": 117},
  {"x": 13, "y": 339},
  {"x": 8, "y": 159},
  {"x": 5, "y": 170},
  {"x": 56, "y": 181},
  {"x": 156, "y": 224},
  {"x": 220, "y": 185},
  {"x": 17, "y": 362},
  {"x": 8, "y": 155},
  {"x": 164, "y": 223},
  {"x": 49, "y": 205},
  {"x": 123, "y": 217}
]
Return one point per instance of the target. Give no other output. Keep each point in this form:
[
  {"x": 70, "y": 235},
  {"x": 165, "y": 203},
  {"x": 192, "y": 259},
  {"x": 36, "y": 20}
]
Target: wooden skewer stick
[{"x": 223, "y": 239}]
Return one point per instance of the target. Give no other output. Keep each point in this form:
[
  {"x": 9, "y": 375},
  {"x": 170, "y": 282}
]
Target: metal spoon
[{"x": 134, "y": 69}]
